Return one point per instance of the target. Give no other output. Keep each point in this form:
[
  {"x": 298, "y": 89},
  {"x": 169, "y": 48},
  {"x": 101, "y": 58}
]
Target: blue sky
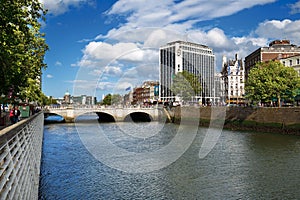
[{"x": 101, "y": 46}]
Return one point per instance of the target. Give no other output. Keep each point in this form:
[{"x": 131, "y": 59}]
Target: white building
[
  {"x": 194, "y": 58},
  {"x": 292, "y": 61},
  {"x": 234, "y": 80}
]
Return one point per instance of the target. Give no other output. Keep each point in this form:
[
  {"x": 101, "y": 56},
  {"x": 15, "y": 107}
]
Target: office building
[{"x": 179, "y": 56}]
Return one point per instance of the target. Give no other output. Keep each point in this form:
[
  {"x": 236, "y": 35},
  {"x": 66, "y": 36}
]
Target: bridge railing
[
  {"x": 20, "y": 158},
  {"x": 91, "y": 107}
]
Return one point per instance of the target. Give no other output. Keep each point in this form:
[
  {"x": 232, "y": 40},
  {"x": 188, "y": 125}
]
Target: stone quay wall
[{"x": 260, "y": 119}]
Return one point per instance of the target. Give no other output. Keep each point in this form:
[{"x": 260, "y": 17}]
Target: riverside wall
[{"x": 260, "y": 119}]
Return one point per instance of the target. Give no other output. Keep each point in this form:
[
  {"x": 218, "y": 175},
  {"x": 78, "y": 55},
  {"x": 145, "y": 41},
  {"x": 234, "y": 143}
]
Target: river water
[{"x": 77, "y": 164}]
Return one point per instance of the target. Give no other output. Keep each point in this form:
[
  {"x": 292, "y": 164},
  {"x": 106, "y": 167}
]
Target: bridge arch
[
  {"x": 105, "y": 117},
  {"x": 53, "y": 117},
  {"x": 138, "y": 117}
]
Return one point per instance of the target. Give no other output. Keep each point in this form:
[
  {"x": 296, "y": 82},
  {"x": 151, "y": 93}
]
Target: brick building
[
  {"x": 276, "y": 50},
  {"x": 146, "y": 94}
]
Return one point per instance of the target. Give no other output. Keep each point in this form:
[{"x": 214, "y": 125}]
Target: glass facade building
[{"x": 194, "y": 58}]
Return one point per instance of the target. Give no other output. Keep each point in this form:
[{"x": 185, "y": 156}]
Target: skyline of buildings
[{"x": 224, "y": 87}]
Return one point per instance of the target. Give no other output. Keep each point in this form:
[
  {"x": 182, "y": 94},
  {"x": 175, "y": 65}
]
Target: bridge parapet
[{"x": 20, "y": 158}]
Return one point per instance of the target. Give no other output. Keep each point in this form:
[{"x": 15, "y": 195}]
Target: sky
[{"x": 97, "y": 47}]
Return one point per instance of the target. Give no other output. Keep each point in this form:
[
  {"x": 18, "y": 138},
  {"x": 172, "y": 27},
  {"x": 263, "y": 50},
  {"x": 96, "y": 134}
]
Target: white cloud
[
  {"x": 49, "y": 76},
  {"x": 203, "y": 10},
  {"x": 214, "y": 38},
  {"x": 113, "y": 71},
  {"x": 275, "y": 29},
  {"x": 295, "y": 8},
  {"x": 140, "y": 13},
  {"x": 57, "y": 7},
  {"x": 106, "y": 51},
  {"x": 105, "y": 85},
  {"x": 121, "y": 87},
  {"x": 130, "y": 52}
]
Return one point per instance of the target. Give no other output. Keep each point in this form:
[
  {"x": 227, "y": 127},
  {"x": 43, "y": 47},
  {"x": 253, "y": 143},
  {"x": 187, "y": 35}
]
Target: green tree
[
  {"x": 112, "y": 99},
  {"x": 22, "y": 48},
  {"x": 270, "y": 80},
  {"x": 44, "y": 100},
  {"x": 107, "y": 100},
  {"x": 186, "y": 85},
  {"x": 116, "y": 99}
]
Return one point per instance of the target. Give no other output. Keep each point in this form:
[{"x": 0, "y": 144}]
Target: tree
[
  {"x": 186, "y": 85},
  {"x": 116, "y": 99},
  {"x": 22, "y": 48},
  {"x": 271, "y": 80},
  {"x": 107, "y": 100},
  {"x": 112, "y": 99}
]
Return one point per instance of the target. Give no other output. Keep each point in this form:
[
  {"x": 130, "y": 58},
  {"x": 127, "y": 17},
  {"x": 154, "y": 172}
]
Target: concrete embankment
[{"x": 263, "y": 119}]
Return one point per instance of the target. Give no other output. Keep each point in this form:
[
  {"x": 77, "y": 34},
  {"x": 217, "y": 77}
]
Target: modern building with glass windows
[{"x": 179, "y": 56}]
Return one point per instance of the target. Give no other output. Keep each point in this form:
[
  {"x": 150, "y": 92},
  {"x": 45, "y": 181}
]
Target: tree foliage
[
  {"x": 22, "y": 48},
  {"x": 112, "y": 99},
  {"x": 116, "y": 99},
  {"x": 186, "y": 85},
  {"x": 107, "y": 100},
  {"x": 271, "y": 80}
]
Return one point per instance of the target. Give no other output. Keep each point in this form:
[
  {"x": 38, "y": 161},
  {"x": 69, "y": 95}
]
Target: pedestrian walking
[
  {"x": 12, "y": 115},
  {"x": 17, "y": 114}
]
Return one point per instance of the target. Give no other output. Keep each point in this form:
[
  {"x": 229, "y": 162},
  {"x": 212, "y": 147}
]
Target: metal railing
[{"x": 20, "y": 158}]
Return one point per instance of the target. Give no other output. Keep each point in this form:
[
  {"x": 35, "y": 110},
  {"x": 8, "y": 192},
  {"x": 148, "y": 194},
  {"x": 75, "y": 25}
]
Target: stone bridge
[{"x": 108, "y": 114}]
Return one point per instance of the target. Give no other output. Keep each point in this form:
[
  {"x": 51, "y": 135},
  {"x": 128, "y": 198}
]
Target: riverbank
[{"x": 262, "y": 119}]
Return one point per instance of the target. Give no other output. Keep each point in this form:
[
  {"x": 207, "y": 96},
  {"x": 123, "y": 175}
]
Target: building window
[
  {"x": 298, "y": 61},
  {"x": 283, "y": 62},
  {"x": 291, "y": 62}
]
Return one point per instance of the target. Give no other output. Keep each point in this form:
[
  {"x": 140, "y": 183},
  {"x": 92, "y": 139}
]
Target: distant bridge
[{"x": 108, "y": 114}]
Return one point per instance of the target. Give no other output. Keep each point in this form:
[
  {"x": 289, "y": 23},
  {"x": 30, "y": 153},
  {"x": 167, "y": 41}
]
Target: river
[{"x": 77, "y": 164}]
